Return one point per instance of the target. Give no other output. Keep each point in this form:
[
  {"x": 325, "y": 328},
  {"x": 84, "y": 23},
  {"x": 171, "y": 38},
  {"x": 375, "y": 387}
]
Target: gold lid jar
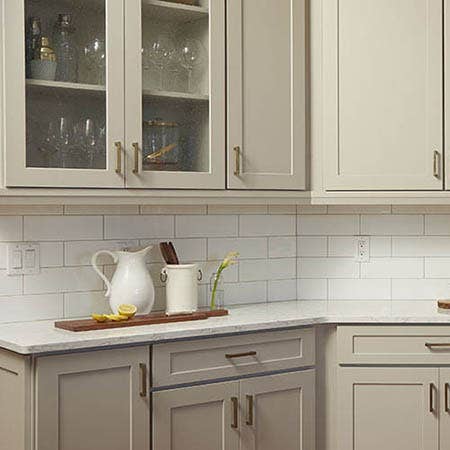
[{"x": 45, "y": 52}]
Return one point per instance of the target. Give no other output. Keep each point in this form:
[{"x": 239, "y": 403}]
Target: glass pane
[
  {"x": 175, "y": 74},
  {"x": 66, "y": 96}
]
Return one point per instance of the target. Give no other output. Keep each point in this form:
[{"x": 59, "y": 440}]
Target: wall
[{"x": 287, "y": 253}]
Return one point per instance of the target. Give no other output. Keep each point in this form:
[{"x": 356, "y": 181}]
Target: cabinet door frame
[
  {"x": 350, "y": 376},
  {"x": 296, "y": 179},
  {"x": 215, "y": 177},
  {"x": 14, "y": 122},
  {"x": 304, "y": 381},
  {"x": 50, "y": 368},
  {"x": 334, "y": 180},
  {"x": 165, "y": 401}
]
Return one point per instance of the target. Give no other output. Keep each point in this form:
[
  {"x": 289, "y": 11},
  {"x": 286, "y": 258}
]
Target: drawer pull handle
[
  {"x": 234, "y": 406},
  {"x": 431, "y": 345},
  {"x": 446, "y": 389},
  {"x": 239, "y": 355},
  {"x": 143, "y": 380},
  {"x": 249, "y": 420},
  {"x": 432, "y": 389}
]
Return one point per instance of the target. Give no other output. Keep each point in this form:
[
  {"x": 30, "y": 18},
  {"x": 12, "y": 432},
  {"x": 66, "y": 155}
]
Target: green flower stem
[{"x": 216, "y": 282}]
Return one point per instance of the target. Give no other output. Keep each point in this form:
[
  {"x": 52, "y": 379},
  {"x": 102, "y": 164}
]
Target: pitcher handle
[{"x": 99, "y": 272}]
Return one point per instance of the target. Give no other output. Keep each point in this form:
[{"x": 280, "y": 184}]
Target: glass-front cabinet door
[
  {"x": 64, "y": 96},
  {"x": 175, "y": 93}
]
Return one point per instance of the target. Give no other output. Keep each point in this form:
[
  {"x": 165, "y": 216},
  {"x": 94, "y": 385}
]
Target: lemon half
[{"x": 127, "y": 310}]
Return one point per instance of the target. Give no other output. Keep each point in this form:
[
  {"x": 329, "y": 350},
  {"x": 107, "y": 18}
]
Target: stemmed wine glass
[
  {"x": 95, "y": 56},
  {"x": 191, "y": 54},
  {"x": 160, "y": 52}
]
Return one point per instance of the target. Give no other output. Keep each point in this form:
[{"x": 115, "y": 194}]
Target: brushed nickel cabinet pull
[
  {"x": 437, "y": 165},
  {"x": 143, "y": 380},
  {"x": 136, "y": 157},
  {"x": 249, "y": 420},
  {"x": 118, "y": 146},
  {"x": 446, "y": 405},
  {"x": 237, "y": 161},
  {"x": 239, "y": 355},
  {"x": 234, "y": 406},
  {"x": 431, "y": 393},
  {"x": 431, "y": 345}
]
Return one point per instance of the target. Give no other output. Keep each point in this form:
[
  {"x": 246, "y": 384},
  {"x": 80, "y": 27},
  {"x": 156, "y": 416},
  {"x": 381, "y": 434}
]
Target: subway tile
[
  {"x": 312, "y": 246},
  {"x": 282, "y": 247},
  {"x": 391, "y": 225},
  {"x": 380, "y": 246},
  {"x": 328, "y": 225},
  {"x": 437, "y": 267},
  {"x": 359, "y": 308},
  {"x": 10, "y": 285},
  {"x": 51, "y": 254},
  {"x": 420, "y": 246},
  {"x": 267, "y": 225},
  {"x": 31, "y": 307},
  {"x": 424, "y": 289},
  {"x": 207, "y": 226},
  {"x": 237, "y": 209},
  {"x": 359, "y": 289},
  {"x": 392, "y": 268},
  {"x": 421, "y": 308},
  {"x": 138, "y": 227},
  {"x": 241, "y": 293},
  {"x": 312, "y": 209},
  {"x": 342, "y": 246},
  {"x": 357, "y": 209},
  {"x": 11, "y": 228},
  {"x": 229, "y": 275},
  {"x": 267, "y": 269},
  {"x": 62, "y": 228},
  {"x": 437, "y": 225},
  {"x": 282, "y": 209},
  {"x": 62, "y": 279},
  {"x": 312, "y": 289},
  {"x": 282, "y": 290},
  {"x": 173, "y": 209},
  {"x": 29, "y": 210},
  {"x": 100, "y": 210},
  {"x": 84, "y": 304},
  {"x": 327, "y": 268},
  {"x": 248, "y": 248}
]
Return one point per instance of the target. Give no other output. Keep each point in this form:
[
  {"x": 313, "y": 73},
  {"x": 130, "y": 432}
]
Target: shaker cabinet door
[
  {"x": 93, "y": 401},
  {"x": 64, "y": 96},
  {"x": 175, "y": 94},
  {"x": 266, "y": 94},
  {"x": 382, "y": 95},
  {"x": 388, "y": 408}
]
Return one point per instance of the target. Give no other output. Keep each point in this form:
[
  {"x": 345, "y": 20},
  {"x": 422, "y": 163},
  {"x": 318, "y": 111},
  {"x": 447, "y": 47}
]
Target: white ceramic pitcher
[{"x": 131, "y": 282}]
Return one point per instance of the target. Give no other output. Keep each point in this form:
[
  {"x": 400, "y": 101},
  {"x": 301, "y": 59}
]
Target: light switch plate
[
  {"x": 23, "y": 259},
  {"x": 362, "y": 248}
]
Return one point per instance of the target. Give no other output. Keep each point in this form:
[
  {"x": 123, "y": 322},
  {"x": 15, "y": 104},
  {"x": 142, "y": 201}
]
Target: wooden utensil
[
  {"x": 164, "y": 247},
  {"x": 173, "y": 253}
]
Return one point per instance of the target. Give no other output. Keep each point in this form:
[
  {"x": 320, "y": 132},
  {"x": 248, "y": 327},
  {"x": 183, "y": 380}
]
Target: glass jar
[
  {"x": 161, "y": 146},
  {"x": 216, "y": 292}
]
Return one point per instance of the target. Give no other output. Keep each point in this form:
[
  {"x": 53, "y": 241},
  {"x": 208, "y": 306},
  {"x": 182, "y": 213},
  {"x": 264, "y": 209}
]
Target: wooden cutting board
[{"x": 148, "y": 319}]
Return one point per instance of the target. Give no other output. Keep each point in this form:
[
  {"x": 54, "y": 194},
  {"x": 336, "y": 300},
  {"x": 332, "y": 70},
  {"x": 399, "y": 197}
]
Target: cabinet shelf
[
  {"x": 149, "y": 93},
  {"x": 159, "y": 9},
  {"x": 44, "y": 85}
]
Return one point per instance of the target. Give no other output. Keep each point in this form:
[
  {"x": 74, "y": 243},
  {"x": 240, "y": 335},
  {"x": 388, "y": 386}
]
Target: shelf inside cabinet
[
  {"x": 149, "y": 93},
  {"x": 44, "y": 85},
  {"x": 171, "y": 11}
]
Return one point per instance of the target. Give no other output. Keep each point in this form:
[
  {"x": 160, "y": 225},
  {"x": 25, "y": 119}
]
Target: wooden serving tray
[{"x": 148, "y": 319}]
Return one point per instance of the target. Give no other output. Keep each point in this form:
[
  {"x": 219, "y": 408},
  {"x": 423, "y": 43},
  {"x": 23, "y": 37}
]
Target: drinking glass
[
  {"x": 95, "y": 57},
  {"x": 160, "y": 52},
  {"x": 192, "y": 54}
]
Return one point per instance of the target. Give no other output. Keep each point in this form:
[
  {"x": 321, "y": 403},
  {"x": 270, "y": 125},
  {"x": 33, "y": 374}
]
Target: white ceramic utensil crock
[{"x": 131, "y": 282}]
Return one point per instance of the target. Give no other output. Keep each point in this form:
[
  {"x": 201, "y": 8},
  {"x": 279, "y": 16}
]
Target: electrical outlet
[
  {"x": 23, "y": 259},
  {"x": 362, "y": 248}
]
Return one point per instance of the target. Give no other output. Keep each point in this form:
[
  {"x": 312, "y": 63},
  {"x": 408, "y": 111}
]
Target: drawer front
[
  {"x": 201, "y": 360},
  {"x": 394, "y": 344}
]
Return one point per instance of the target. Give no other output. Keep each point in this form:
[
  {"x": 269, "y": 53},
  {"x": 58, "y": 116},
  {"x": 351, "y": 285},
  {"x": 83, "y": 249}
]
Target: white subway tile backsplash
[
  {"x": 312, "y": 289},
  {"x": 138, "y": 227},
  {"x": 420, "y": 246},
  {"x": 206, "y": 226},
  {"x": 312, "y": 246},
  {"x": 380, "y": 246},
  {"x": 51, "y": 254},
  {"x": 282, "y": 247},
  {"x": 282, "y": 290},
  {"x": 437, "y": 225},
  {"x": 10, "y": 285},
  {"x": 84, "y": 304},
  {"x": 31, "y": 307},
  {"x": 248, "y": 248},
  {"x": 359, "y": 289},
  {"x": 327, "y": 268},
  {"x": 393, "y": 268},
  {"x": 267, "y": 269},
  {"x": 268, "y": 225},
  {"x": 437, "y": 267},
  {"x": 391, "y": 225},
  {"x": 342, "y": 246},
  {"x": 241, "y": 293},
  {"x": 11, "y": 228},
  {"x": 328, "y": 225},
  {"x": 62, "y": 228},
  {"x": 425, "y": 289}
]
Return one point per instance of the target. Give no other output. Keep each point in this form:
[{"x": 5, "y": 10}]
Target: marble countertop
[{"x": 41, "y": 337}]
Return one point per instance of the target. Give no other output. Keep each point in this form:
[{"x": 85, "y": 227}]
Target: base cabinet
[
  {"x": 388, "y": 408},
  {"x": 262, "y": 413},
  {"x": 93, "y": 401}
]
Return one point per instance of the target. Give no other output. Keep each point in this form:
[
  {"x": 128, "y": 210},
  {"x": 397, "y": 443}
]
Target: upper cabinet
[
  {"x": 382, "y": 94},
  {"x": 64, "y": 96},
  {"x": 266, "y": 43}
]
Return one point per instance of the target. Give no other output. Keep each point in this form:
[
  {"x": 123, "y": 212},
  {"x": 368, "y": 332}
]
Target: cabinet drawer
[
  {"x": 192, "y": 361},
  {"x": 394, "y": 344}
]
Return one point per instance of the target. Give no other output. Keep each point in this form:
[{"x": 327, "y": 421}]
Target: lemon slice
[
  {"x": 99, "y": 317},
  {"x": 116, "y": 317},
  {"x": 127, "y": 310}
]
